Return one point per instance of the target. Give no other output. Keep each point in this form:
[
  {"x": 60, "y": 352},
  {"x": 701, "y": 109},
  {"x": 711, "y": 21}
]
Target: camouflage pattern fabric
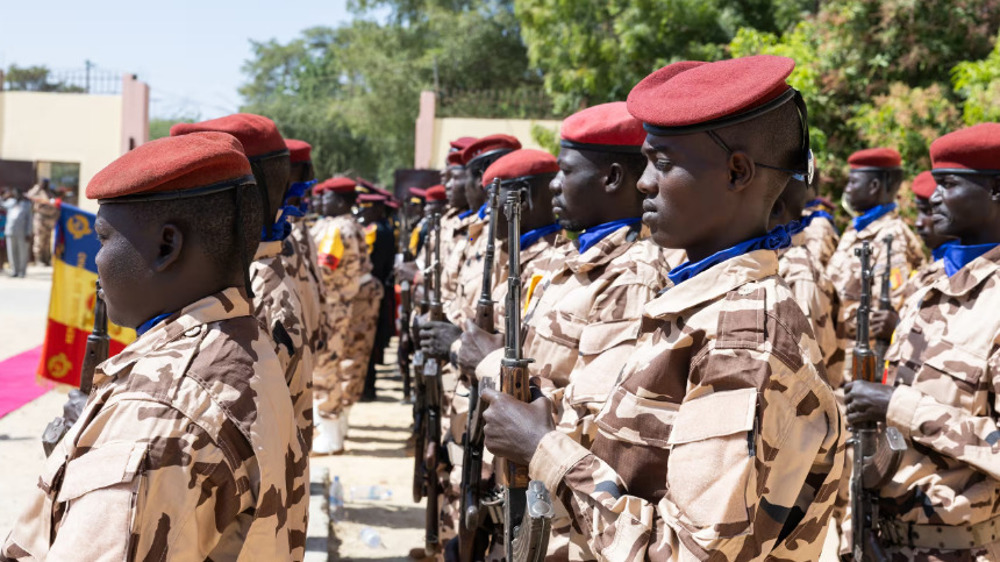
[
  {"x": 923, "y": 277},
  {"x": 44, "y": 215},
  {"x": 184, "y": 452},
  {"x": 277, "y": 306},
  {"x": 298, "y": 252},
  {"x": 468, "y": 275},
  {"x": 821, "y": 236},
  {"x": 340, "y": 277},
  {"x": 721, "y": 432},
  {"x": 814, "y": 292},
  {"x": 454, "y": 243},
  {"x": 360, "y": 339},
  {"x": 844, "y": 270},
  {"x": 945, "y": 362}
]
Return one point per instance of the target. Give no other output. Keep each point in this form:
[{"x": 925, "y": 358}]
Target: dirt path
[{"x": 376, "y": 456}]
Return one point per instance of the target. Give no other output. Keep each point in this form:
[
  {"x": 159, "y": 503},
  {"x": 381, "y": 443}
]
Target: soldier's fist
[
  {"x": 866, "y": 401},
  {"x": 513, "y": 429}
]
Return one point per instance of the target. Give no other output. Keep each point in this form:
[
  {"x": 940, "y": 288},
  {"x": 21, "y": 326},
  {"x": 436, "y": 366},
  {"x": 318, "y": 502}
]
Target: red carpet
[{"x": 18, "y": 384}]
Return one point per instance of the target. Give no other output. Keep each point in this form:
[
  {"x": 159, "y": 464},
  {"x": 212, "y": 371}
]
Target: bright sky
[{"x": 189, "y": 51}]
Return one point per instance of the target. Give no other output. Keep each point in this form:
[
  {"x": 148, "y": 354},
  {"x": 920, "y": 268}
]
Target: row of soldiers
[
  {"x": 704, "y": 344},
  {"x": 683, "y": 406}
]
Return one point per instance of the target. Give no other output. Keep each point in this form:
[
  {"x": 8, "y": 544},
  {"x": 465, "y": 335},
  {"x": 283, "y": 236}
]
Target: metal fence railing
[{"x": 89, "y": 80}]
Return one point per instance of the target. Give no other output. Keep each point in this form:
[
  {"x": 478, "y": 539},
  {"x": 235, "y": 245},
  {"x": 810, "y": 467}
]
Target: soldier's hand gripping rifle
[
  {"x": 431, "y": 382},
  {"x": 876, "y": 454},
  {"x": 884, "y": 303},
  {"x": 472, "y": 452},
  {"x": 419, "y": 360},
  {"x": 97, "y": 350},
  {"x": 527, "y": 509}
]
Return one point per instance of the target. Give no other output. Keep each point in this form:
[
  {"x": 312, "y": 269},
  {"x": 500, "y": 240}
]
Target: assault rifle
[
  {"x": 419, "y": 359},
  {"x": 527, "y": 507},
  {"x": 884, "y": 303},
  {"x": 876, "y": 453},
  {"x": 405, "y": 305},
  {"x": 432, "y": 391},
  {"x": 472, "y": 452},
  {"x": 97, "y": 350}
]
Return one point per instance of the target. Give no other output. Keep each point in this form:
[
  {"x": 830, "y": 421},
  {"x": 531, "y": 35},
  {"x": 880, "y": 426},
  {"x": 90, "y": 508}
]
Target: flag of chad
[{"x": 71, "y": 304}]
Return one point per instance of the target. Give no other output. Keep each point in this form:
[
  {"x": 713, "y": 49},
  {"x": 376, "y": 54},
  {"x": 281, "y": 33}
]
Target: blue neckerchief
[
  {"x": 149, "y": 324},
  {"x": 957, "y": 256},
  {"x": 795, "y": 227},
  {"x": 938, "y": 253},
  {"x": 814, "y": 202},
  {"x": 532, "y": 236},
  {"x": 465, "y": 214},
  {"x": 281, "y": 229},
  {"x": 776, "y": 239},
  {"x": 872, "y": 215},
  {"x": 595, "y": 234},
  {"x": 807, "y": 220},
  {"x": 298, "y": 189},
  {"x": 484, "y": 210}
]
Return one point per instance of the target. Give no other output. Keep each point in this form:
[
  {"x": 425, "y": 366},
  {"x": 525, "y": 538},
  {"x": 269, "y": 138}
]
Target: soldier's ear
[
  {"x": 742, "y": 170},
  {"x": 169, "y": 245},
  {"x": 615, "y": 177}
]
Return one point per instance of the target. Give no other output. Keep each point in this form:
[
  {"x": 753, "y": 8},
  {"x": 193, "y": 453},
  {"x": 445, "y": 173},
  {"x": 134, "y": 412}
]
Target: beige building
[
  {"x": 434, "y": 133},
  {"x": 45, "y": 131}
]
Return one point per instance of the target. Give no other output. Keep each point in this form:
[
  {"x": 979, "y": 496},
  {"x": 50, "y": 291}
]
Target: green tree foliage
[
  {"x": 878, "y": 72},
  {"x": 978, "y": 82},
  {"x": 160, "y": 127},
  {"x": 353, "y": 91},
  {"x": 34, "y": 79},
  {"x": 594, "y": 51}
]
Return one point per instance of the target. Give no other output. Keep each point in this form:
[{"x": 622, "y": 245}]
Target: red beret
[
  {"x": 392, "y": 203},
  {"x": 336, "y": 185},
  {"x": 923, "y": 185},
  {"x": 454, "y": 158},
  {"x": 417, "y": 192},
  {"x": 299, "y": 151},
  {"x": 974, "y": 149},
  {"x": 174, "y": 164},
  {"x": 688, "y": 93},
  {"x": 521, "y": 164},
  {"x": 607, "y": 127},
  {"x": 875, "y": 158},
  {"x": 488, "y": 145},
  {"x": 461, "y": 143},
  {"x": 436, "y": 193},
  {"x": 371, "y": 198},
  {"x": 258, "y": 134}
]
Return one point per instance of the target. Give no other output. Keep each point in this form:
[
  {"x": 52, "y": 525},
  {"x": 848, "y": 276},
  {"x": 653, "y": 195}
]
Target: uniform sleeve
[
  {"x": 818, "y": 306},
  {"x": 171, "y": 496},
  {"x": 951, "y": 431},
  {"x": 725, "y": 499}
]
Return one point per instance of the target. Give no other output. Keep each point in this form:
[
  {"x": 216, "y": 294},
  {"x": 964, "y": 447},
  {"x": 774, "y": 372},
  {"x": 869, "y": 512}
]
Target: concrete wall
[
  {"x": 433, "y": 134},
  {"x": 88, "y": 129}
]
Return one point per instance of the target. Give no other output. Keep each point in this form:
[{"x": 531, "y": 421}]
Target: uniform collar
[
  {"x": 591, "y": 236},
  {"x": 529, "y": 238},
  {"x": 871, "y": 216},
  {"x": 267, "y": 250},
  {"x": 776, "y": 239},
  {"x": 226, "y": 304},
  {"x": 612, "y": 245},
  {"x": 714, "y": 282},
  {"x": 956, "y": 256},
  {"x": 972, "y": 275}
]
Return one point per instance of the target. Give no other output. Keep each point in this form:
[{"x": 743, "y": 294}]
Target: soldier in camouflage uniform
[
  {"x": 871, "y": 189},
  {"x": 343, "y": 259},
  {"x": 721, "y": 439},
  {"x": 942, "y": 503},
  {"x": 45, "y": 213},
  {"x": 276, "y": 298},
  {"x": 821, "y": 234},
  {"x": 187, "y": 448},
  {"x": 583, "y": 315}
]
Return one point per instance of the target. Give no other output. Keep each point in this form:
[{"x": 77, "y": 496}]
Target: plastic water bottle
[
  {"x": 370, "y": 493},
  {"x": 336, "y": 500},
  {"x": 371, "y": 538}
]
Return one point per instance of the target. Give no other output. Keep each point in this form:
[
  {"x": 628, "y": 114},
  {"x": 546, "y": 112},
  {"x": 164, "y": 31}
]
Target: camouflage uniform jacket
[
  {"x": 721, "y": 439},
  {"x": 468, "y": 287},
  {"x": 277, "y": 306},
  {"x": 299, "y": 255},
  {"x": 183, "y": 452},
  {"x": 821, "y": 237},
  {"x": 815, "y": 294},
  {"x": 946, "y": 363},
  {"x": 927, "y": 274},
  {"x": 341, "y": 275},
  {"x": 454, "y": 239},
  {"x": 844, "y": 271}
]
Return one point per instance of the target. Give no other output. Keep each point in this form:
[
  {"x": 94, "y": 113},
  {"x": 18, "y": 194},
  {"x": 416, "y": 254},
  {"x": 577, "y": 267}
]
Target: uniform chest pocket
[
  {"x": 108, "y": 465},
  {"x": 600, "y": 365},
  {"x": 953, "y": 375},
  {"x": 561, "y": 327},
  {"x": 711, "y": 462}
]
